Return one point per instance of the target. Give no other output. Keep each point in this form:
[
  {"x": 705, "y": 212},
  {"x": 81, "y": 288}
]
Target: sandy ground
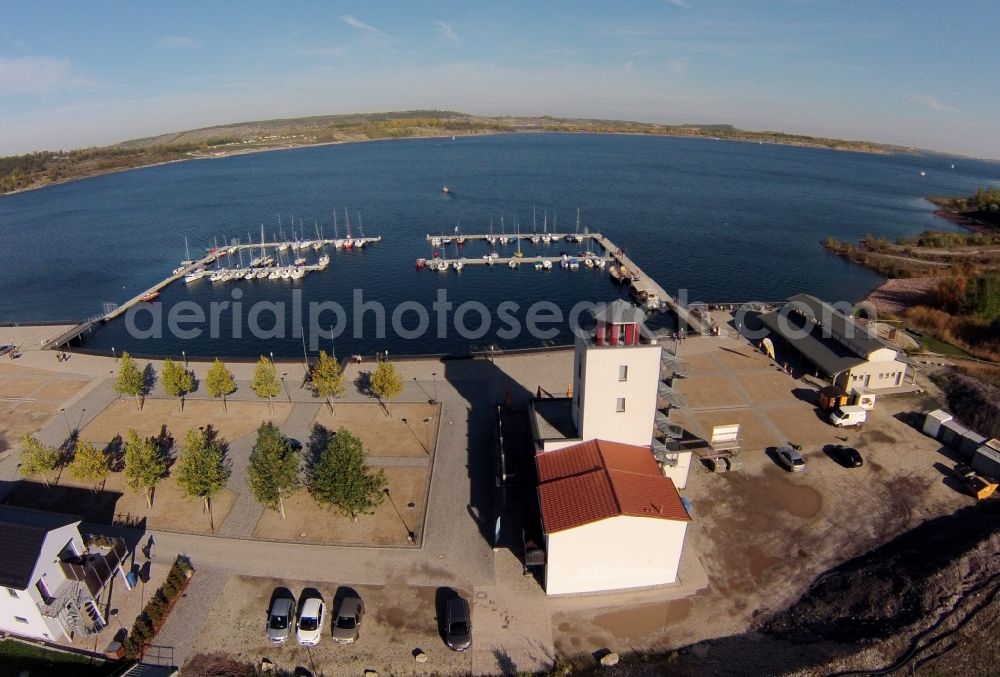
[
  {"x": 390, "y": 525},
  {"x": 894, "y": 296},
  {"x": 386, "y": 435},
  {"x": 29, "y": 397},
  {"x": 242, "y": 418},
  {"x": 399, "y": 620},
  {"x": 116, "y": 502}
]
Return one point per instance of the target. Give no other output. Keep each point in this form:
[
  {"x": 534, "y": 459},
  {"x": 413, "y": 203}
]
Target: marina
[
  {"x": 262, "y": 268},
  {"x": 622, "y": 269}
]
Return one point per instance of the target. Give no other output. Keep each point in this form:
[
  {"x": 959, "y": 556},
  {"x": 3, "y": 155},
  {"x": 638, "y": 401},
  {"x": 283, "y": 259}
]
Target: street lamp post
[
  {"x": 66, "y": 419},
  {"x": 114, "y": 354},
  {"x": 184, "y": 355},
  {"x": 427, "y": 438},
  {"x": 410, "y": 536},
  {"x": 285, "y": 386},
  {"x": 435, "y": 377}
]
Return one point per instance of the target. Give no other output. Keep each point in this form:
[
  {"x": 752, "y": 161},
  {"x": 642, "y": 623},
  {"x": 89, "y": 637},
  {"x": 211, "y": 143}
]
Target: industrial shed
[{"x": 834, "y": 345}]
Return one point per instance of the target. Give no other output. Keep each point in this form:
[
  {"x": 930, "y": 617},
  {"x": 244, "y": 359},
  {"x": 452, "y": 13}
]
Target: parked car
[
  {"x": 848, "y": 415},
  {"x": 310, "y": 625},
  {"x": 280, "y": 619},
  {"x": 848, "y": 456},
  {"x": 791, "y": 458},
  {"x": 457, "y": 624},
  {"x": 346, "y": 626}
]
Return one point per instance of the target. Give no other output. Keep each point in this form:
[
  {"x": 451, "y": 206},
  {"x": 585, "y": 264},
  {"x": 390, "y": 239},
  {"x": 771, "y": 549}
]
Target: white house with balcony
[{"x": 51, "y": 580}]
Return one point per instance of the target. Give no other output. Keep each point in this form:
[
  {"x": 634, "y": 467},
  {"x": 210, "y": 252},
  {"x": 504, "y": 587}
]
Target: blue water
[{"x": 724, "y": 220}]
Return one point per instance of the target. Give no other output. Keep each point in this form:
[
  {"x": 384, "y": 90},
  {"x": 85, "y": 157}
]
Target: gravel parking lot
[{"x": 399, "y": 620}]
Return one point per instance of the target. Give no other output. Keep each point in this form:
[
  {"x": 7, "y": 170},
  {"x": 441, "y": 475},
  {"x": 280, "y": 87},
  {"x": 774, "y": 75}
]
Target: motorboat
[
  {"x": 149, "y": 297},
  {"x": 421, "y": 263}
]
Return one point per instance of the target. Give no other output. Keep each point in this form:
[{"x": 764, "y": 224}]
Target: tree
[
  {"x": 273, "y": 472},
  {"x": 219, "y": 382},
  {"x": 340, "y": 479},
  {"x": 145, "y": 465},
  {"x": 328, "y": 378},
  {"x": 202, "y": 469},
  {"x": 130, "y": 381},
  {"x": 37, "y": 458},
  {"x": 265, "y": 380},
  {"x": 385, "y": 383},
  {"x": 89, "y": 464},
  {"x": 177, "y": 381}
]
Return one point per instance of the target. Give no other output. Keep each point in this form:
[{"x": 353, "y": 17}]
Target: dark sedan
[{"x": 848, "y": 456}]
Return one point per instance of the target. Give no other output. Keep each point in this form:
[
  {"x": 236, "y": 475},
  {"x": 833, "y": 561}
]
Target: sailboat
[
  {"x": 360, "y": 242},
  {"x": 546, "y": 238},
  {"x": 187, "y": 254},
  {"x": 459, "y": 240},
  {"x": 503, "y": 234},
  {"x": 337, "y": 242},
  {"x": 348, "y": 243},
  {"x": 534, "y": 227},
  {"x": 491, "y": 238},
  {"x": 518, "y": 253},
  {"x": 318, "y": 244}
]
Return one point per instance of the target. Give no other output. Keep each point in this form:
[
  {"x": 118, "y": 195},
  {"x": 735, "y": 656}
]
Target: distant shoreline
[{"x": 208, "y": 155}]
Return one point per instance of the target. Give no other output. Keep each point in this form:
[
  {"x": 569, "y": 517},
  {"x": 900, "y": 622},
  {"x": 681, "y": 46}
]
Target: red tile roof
[{"x": 595, "y": 480}]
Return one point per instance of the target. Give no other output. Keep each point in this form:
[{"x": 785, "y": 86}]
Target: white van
[{"x": 848, "y": 415}]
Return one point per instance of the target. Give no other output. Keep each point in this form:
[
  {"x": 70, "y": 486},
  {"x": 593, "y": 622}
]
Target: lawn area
[
  {"x": 16, "y": 657},
  {"x": 928, "y": 342}
]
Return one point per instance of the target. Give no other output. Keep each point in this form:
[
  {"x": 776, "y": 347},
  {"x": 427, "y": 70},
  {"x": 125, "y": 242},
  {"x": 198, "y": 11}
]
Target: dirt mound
[
  {"x": 891, "y": 587},
  {"x": 975, "y": 403},
  {"x": 880, "y": 607}
]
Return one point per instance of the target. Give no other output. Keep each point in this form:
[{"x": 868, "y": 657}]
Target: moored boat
[{"x": 149, "y": 296}]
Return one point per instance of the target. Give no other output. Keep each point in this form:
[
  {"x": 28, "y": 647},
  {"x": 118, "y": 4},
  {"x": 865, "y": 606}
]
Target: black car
[
  {"x": 457, "y": 625},
  {"x": 848, "y": 456}
]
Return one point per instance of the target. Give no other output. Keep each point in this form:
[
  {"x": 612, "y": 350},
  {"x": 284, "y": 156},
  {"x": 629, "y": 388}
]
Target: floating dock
[
  {"x": 210, "y": 257},
  {"x": 644, "y": 288}
]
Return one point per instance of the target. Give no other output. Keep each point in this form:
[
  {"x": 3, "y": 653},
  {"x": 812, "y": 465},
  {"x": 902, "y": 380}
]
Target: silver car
[
  {"x": 310, "y": 625},
  {"x": 280, "y": 619},
  {"x": 791, "y": 459},
  {"x": 346, "y": 625}
]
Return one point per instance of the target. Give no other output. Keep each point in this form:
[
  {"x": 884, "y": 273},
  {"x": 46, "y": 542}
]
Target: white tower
[{"x": 615, "y": 378}]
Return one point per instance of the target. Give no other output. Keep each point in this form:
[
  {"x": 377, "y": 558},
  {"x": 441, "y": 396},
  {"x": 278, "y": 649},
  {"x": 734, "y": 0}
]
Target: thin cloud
[
  {"x": 38, "y": 75},
  {"x": 678, "y": 3},
  {"x": 678, "y": 67},
  {"x": 361, "y": 26},
  {"x": 177, "y": 42},
  {"x": 322, "y": 51},
  {"x": 932, "y": 102},
  {"x": 447, "y": 31}
]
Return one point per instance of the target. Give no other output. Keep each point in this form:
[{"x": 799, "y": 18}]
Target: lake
[{"x": 725, "y": 221}]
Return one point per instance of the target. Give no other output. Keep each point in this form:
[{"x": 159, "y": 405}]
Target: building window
[
  {"x": 12, "y": 592},
  {"x": 21, "y": 619},
  {"x": 621, "y": 405},
  {"x": 623, "y": 372}
]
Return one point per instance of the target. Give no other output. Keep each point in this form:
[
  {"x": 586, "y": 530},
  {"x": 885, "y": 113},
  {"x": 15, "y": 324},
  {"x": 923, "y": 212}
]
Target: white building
[
  {"x": 618, "y": 394},
  {"x": 51, "y": 582},
  {"x": 609, "y": 463},
  {"x": 611, "y": 520}
]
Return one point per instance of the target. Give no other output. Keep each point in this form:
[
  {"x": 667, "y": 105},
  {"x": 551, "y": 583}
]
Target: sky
[{"x": 910, "y": 72}]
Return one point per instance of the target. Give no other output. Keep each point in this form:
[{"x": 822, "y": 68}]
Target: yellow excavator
[{"x": 976, "y": 485}]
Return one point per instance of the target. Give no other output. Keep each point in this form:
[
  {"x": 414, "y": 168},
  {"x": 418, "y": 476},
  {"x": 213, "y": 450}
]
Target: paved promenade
[{"x": 454, "y": 550}]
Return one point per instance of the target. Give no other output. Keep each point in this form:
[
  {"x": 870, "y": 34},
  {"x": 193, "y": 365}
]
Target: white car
[{"x": 310, "y": 626}]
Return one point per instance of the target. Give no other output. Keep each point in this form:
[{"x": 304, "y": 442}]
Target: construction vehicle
[{"x": 978, "y": 486}]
